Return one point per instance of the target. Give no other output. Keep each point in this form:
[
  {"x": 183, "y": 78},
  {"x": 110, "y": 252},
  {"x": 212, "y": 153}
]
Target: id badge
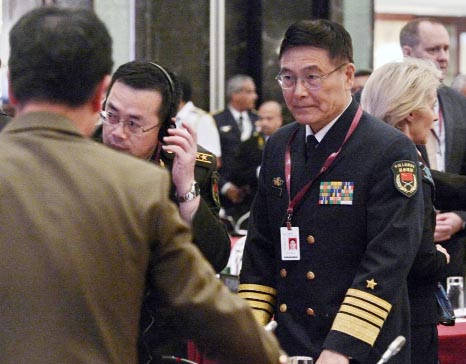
[{"x": 290, "y": 243}]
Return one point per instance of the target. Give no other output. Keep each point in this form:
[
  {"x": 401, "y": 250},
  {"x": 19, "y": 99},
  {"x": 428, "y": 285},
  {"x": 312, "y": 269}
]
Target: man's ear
[
  {"x": 349, "y": 73},
  {"x": 99, "y": 93},
  {"x": 407, "y": 51}
]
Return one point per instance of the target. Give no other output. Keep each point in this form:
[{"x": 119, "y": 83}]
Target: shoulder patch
[
  {"x": 205, "y": 158},
  {"x": 215, "y": 193},
  {"x": 405, "y": 177}
]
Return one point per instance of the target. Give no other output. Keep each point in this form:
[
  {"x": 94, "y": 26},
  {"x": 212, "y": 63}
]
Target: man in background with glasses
[
  {"x": 344, "y": 185},
  {"x": 137, "y": 118}
]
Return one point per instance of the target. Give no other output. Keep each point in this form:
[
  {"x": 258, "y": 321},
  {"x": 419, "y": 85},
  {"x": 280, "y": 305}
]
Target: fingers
[{"x": 181, "y": 140}]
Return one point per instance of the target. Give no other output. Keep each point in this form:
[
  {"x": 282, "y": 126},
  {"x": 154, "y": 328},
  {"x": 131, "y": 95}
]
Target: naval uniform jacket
[
  {"x": 348, "y": 293},
  {"x": 429, "y": 266}
]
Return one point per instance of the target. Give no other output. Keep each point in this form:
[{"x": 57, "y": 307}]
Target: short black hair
[
  {"x": 319, "y": 33},
  {"x": 59, "y": 55},
  {"x": 147, "y": 75}
]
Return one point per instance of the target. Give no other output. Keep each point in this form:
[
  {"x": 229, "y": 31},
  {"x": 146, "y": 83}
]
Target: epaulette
[
  {"x": 202, "y": 158},
  {"x": 205, "y": 158}
]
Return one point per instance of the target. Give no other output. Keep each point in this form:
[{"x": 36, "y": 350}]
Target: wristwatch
[{"x": 191, "y": 194}]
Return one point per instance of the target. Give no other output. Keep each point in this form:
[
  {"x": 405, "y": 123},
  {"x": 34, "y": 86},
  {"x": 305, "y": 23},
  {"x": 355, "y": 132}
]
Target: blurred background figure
[
  {"x": 459, "y": 84},
  {"x": 235, "y": 124},
  {"x": 245, "y": 169},
  {"x": 201, "y": 121},
  {"x": 360, "y": 78}
]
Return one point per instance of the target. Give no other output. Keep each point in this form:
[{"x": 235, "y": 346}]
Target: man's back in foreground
[
  {"x": 75, "y": 241},
  {"x": 84, "y": 227}
]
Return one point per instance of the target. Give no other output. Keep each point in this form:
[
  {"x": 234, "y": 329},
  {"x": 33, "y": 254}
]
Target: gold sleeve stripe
[
  {"x": 262, "y": 317},
  {"x": 369, "y": 298},
  {"x": 355, "y": 327},
  {"x": 261, "y": 305},
  {"x": 366, "y": 306},
  {"x": 257, "y": 296},
  {"x": 362, "y": 314},
  {"x": 257, "y": 288}
]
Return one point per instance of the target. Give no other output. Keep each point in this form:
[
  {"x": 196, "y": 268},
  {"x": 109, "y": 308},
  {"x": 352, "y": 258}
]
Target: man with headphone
[{"x": 138, "y": 118}]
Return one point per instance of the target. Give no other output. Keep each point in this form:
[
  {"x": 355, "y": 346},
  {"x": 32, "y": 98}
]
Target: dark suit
[
  {"x": 230, "y": 139},
  {"x": 453, "y": 106},
  {"x": 81, "y": 223},
  {"x": 428, "y": 268},
  {"x": 244, "y": 171},
  {"x": 450, "y": 191},
  {"x": 348, "y": 292}
]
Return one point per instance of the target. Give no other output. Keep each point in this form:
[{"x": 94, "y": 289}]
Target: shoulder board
[{"x": 204, "y": 158}]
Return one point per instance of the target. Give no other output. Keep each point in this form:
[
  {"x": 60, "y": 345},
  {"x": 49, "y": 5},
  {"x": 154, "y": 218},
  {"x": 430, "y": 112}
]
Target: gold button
[
  {"x": 310, "y": 312},
  {"x": 283, "y": 307},
  {"x": 283, "y": 273},
  {"x": 310, "y": 239},
  {"x": 310, "y": 275}
]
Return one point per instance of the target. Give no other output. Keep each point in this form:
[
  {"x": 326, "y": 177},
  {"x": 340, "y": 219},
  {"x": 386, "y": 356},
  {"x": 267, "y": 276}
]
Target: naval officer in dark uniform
[
  {"x": 137, "y": 119},
  {"x": 345, "y": 186}
]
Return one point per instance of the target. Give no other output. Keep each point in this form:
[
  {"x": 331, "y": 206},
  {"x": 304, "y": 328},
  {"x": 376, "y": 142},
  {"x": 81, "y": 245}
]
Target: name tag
[{"x": 290, "y": 243}]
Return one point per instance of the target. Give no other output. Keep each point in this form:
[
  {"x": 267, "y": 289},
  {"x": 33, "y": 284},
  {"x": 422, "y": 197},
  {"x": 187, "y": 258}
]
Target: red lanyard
[{"x": 330, "y": 159}]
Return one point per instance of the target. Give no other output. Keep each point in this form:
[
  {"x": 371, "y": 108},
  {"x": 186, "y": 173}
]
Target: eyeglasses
[
  {"x": 311, "y": 81},
  {"x": 113, "y": 120}
]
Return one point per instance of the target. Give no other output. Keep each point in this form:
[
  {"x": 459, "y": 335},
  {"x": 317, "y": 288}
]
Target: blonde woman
[{"x": 403, "y": 94}]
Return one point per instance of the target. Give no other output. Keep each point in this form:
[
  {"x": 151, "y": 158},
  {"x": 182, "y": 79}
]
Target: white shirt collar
[{"x": 322, "y": 132}]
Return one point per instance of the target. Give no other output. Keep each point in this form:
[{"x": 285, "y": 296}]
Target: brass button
[
  {"x": 283, "y": 307},
  {"x": 283, "y": 273},
  {"x": 310, "y": 275},
  {"x": 310, "y": 312},
  {"x": 310, "y": 239}
]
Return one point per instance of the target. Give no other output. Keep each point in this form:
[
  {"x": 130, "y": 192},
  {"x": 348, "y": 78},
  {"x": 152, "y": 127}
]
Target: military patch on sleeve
[
  {"x": 405, "y": 177},
  {"x": 215, "y": 194}
]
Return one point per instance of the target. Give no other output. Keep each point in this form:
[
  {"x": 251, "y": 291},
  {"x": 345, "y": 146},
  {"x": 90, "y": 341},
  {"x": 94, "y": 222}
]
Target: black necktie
[
  {"x": 311, "y": 145},
  {"x": 240, "y": 123}
]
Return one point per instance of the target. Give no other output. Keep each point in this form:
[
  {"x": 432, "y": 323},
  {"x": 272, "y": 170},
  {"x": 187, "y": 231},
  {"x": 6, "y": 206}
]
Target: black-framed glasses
[
  {"x": 133, "y": 127},
  {"x": 311, "y": 81}
]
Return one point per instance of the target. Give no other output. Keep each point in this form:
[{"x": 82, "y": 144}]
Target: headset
[{"x": 173, "y": 100}]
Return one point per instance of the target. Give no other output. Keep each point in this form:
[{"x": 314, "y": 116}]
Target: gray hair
[
  {"x": 236, "y": 83},
  {"x": 396, "y": 89}
]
